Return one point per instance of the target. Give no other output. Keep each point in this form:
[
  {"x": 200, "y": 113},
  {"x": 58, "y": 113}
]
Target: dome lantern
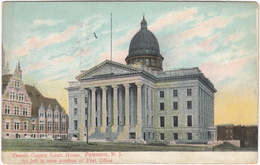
[{"x": 143, "y": 24}]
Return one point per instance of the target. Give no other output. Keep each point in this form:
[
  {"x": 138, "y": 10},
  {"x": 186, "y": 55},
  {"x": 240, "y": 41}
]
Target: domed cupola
[{"x": 144, "y": 49}]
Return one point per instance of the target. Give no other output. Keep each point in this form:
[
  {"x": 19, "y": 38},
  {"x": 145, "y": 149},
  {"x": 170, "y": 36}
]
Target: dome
[
  {"x": 144, "y": 48},
  {"x": 144, "y": 43}
]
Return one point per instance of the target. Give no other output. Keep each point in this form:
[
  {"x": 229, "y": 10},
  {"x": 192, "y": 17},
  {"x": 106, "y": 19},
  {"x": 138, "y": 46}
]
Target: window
[
  {"x": 161, "y": 106},
  {"x": 147, "y": 61},
  {"x": 86, "y": 99},
  {"x": 86, "y": 111},
  {"x": 25, "y": 111},
  {"x": 63, "y": 126},
  {"x": 25, "y": 126},
  {"x": 16, "y": 110},
  {"x": 21, "y": 97},
  {"x": 75, "y": 111},
  {"x": 153, "y": 62},
  {"x": 75, "y": 100},
  {"x": 17, "y": 84},
  {"x": 49, "y": 125},
  {"x": 189, "y": 104},
  {"x": 175, "y": 121},
  {"x": 56, "y": 116},
  {"x": 33, "y": 126},
  {"x": 75, "y": 124},
  {"x": 161, "y": 94},
  {"x": 41, "y": 114},
  {"x": 11, "y": 95},
  {"x": 7, "y": 109},
  {"x": 162, "y": 124},
  {"x": 189, "y": 121},
  {"x": 56, "y": 126},
  {"x": 152, "y": 121},
  {"x": 7, "y": 125},
  {"x": 41, "y": 125},
  {"x": 189, "y": 92},
  {"x": 189, "y": 135},
  {"x": 49, "y": 115},
  {"x": 16, "y": 125},
  {"x": 175, "y": 136},
  {"x": 175, "y": 93},
  {"x": 161, "y": 136},
  {"x": 175, "y": 105}
]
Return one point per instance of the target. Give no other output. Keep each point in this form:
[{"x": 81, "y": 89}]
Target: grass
[{"x": 44, "y": 145}]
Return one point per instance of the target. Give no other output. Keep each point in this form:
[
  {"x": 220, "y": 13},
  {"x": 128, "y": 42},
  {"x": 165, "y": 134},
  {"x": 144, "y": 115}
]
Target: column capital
[
  {"x": 82, "y": 89},
  {"x": 114, "y": 86},
  {"x": 93, "y": 88},
  {"x": 126, "y": 85},
  {"x": 139, "y": 85},
  {"x": 103, "y": 88}
]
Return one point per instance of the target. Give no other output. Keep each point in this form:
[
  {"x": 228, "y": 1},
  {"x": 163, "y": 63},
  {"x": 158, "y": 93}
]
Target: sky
[{"x": 54, "y": 41}]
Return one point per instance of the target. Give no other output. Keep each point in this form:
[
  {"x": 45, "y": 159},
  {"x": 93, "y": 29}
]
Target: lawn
[{"x": 45, "y": 145}]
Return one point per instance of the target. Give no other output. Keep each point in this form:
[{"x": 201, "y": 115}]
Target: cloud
[
  {"x": 204, "y": 29},
  {"x": 234, "y": 37},
  {"x": 125, "y": 38},
  {"x": 36, "y": 42},
  {"x": 174, "y": 18},
  {"x": 46, "y": 22},
  {"x": 209, "y": 44},
  {"x": 219, "y": 71}
]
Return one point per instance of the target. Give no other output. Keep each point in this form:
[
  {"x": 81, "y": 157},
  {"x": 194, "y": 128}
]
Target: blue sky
[{"x": 54, "y": 41}]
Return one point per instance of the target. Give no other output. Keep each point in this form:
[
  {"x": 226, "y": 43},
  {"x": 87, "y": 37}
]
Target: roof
[
  {"x": 144, "y": 43},
  {"x": 38, "y": 99},
  {"x": 5, "y": 81},
  {"x": 155, "y": 76},
  {"x": 35, "y": 96}
]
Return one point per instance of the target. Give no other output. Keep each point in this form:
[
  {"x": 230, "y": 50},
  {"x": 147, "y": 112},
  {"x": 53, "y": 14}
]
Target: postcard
[{"x": 129, "y": 82}]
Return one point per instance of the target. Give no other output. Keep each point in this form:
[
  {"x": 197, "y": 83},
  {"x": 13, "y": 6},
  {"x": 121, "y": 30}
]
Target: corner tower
[{"x": 144, "y": 49}]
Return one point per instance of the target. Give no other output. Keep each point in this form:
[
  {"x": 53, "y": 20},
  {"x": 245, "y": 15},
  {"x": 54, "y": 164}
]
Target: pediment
[{"x": 107, "y": 68}]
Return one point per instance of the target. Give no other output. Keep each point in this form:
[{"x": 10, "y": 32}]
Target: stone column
[
  {"x": 125, "y": 134},
  {"x": 109, "y": 106},
  {"x": 115, "y": 109},
  {"x": 126, "y": 128},
  {"x": 149, "y": 105},
  {"x": 93, "y": 111},
  {"x": 82, "y": 115},
  {"x": 139, "y": 111},
  {"x": 104, "y": 109},
  {"x": 132, "y": 105}
]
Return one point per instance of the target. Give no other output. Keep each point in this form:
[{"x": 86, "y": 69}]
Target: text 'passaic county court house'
[{"x": 141, "y": 102}]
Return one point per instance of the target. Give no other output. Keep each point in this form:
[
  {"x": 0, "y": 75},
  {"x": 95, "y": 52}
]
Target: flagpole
[{"x": 111, "y": 39}]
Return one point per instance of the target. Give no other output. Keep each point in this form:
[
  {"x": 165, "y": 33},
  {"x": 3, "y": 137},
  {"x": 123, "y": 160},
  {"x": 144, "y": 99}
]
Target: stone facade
[{"x": 139, "y": 102}]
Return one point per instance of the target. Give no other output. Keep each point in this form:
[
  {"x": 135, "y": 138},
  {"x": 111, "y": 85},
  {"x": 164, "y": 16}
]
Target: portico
[{"x": 114, "y": 107}]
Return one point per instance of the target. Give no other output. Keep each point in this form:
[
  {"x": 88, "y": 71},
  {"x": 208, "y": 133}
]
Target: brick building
[
  {"x": 26, "y": 113},
  {"x": 247, "y": 135}
]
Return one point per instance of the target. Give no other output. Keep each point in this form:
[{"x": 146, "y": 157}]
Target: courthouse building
[
  {"x": 138, "y": 101},
  {"x": 26, "y": 113}
]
